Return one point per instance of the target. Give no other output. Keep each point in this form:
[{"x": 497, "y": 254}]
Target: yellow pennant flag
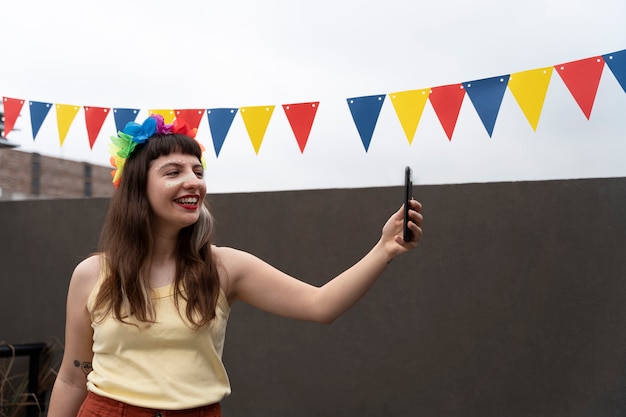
[
  {"x": 529, "y": 89},
  {"x": 409, "y": 106},
  {"x": 65, "y": 116},
  {"x": 168, "y": 115},
  {"x": 256, "y": 119}
]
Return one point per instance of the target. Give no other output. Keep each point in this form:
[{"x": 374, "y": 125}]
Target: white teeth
[{"x": 190, "y": 200}]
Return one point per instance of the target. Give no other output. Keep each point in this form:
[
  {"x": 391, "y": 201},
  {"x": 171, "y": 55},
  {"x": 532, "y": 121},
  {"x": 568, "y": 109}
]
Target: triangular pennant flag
[
  {"x": 365, "y": 111},
  {"x": 616, "y": 62},
  {"x": 219, "y": 123},
  {"x": 446, "y": 101},
  {"x": 529, "y": 88},
  {"x": 409, "y": 106},
  {"x": 301, "y": 116},
  {"x": 123, "y": 116},
  {"x": 65, "y": 116},
  {"x": 582, "y": 78},
  {"x": 12, "y": 109},
  {"x": 168, "y": 115},
  {"x": 94, "y": 119},
  {"x": 38, "y": 113},
  {"x": 256, "y": 119},
  {"x": 486, "y": 96},
  {"x": 191, "y": 116}
]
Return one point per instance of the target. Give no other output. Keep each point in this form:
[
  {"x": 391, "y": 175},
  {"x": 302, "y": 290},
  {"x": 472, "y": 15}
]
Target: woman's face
[{"x": 176, "y": 190}]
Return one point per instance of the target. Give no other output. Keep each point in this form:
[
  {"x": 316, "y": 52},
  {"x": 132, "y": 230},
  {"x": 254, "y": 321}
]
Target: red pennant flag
[
  {"x": 12, "y": 109},
  {"x": 446, "y": 101},
  {"x": 582, "y": 78},
  {"x": 191, "y": 116},
  {"x": 301, "y": 116},
  {"x": 94, "y": 119}
]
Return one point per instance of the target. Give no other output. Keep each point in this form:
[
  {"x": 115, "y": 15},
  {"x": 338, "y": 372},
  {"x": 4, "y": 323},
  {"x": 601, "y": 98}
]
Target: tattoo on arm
[{"x": 84, "y": 366}]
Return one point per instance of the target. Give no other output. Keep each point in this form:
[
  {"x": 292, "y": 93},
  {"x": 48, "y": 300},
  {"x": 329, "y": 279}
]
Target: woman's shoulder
[
  {"x": 87, "y": 273},
  {"x": 232, "y": 264},
  {"x": 230, "y": 257},
  {"x": 89, "y": 265}
]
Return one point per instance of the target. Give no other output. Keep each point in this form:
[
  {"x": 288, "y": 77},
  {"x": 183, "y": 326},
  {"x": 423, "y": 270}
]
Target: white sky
[{"x": 206, "y": 54}]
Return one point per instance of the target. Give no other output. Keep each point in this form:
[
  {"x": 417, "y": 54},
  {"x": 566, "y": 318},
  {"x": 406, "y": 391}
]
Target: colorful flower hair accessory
[{"x": 124, "y": 143}]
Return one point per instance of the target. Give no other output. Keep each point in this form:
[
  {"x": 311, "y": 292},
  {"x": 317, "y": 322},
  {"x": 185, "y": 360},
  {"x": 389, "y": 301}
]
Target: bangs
[{"x": 159, "y": 145}]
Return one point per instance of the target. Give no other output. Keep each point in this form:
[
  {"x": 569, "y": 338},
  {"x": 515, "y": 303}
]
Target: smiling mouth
[{"x": 190, "y": 202}]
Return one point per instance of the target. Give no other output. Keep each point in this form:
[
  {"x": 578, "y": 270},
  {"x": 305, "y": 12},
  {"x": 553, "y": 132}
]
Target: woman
[{"x": 146, "y": 316}]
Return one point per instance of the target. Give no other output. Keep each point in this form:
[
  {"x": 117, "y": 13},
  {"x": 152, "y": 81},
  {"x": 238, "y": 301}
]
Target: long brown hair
[{"x": 126, "y": 245}]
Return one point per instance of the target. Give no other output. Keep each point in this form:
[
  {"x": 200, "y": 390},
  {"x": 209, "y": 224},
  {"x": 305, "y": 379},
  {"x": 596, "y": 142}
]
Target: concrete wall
[{"x": 513, "y": 304}]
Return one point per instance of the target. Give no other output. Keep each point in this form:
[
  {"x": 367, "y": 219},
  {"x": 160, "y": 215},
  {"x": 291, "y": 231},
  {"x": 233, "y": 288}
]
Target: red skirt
[{"x": 98, "y": 406}]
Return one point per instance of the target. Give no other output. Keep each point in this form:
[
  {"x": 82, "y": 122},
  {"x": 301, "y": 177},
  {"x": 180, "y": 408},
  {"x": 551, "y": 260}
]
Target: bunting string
[{"x": 529, "y": 89}]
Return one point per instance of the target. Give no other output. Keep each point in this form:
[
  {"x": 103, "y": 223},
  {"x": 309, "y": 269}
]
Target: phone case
[{"x": 408, "y": 191}]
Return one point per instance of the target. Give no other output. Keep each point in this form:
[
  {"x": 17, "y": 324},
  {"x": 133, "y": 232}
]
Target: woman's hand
[{"x": 392, "y": 235}]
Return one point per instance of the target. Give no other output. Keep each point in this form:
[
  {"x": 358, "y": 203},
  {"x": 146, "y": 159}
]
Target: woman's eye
[
  {"x": 200, "y": 174},
  {"x": 171, "y": 173}
]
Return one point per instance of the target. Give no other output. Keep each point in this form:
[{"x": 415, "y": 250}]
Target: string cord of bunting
[{"x": 529, "y": 88}]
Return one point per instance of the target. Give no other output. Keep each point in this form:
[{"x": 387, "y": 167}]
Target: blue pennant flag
[
  {"x": 365, "y": 112},
  {"x": 219, "y": 123},
  {"x": 617, "y": 64},
  {"x": 486, "y": 96},
  {"x": 38, "y": 113},
  {"x": 123, "y": 116}
]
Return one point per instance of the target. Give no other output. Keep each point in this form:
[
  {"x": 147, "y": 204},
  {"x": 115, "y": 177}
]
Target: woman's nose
[{"x": 192, "y": 180}]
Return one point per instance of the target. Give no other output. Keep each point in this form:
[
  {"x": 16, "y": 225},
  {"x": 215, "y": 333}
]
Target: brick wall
[
  {"x": 25, "y": 175},
  {"x": 14, "y": 172},
  {"x": 101, "y": 181}
]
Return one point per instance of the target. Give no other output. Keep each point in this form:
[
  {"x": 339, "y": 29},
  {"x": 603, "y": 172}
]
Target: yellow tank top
[{"x": 167, "y": 365}]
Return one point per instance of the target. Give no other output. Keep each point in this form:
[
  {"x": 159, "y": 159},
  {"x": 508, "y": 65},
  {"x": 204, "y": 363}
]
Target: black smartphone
[{"x": 407, "y": 234}]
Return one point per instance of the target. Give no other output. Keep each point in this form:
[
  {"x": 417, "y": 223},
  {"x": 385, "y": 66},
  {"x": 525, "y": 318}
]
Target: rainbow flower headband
[{"x": 124, "y": 143}]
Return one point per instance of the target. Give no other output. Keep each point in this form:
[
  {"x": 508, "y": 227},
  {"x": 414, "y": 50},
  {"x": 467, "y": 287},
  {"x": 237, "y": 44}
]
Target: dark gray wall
[{"x": 512, "y": 305}]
